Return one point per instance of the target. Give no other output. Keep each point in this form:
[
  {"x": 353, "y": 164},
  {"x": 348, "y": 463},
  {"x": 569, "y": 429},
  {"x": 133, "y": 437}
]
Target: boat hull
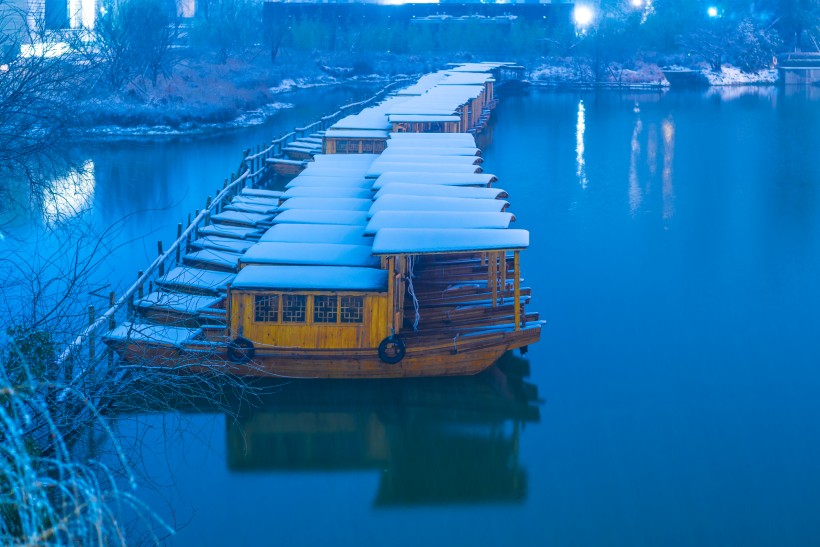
[{"x": 425, "y": 356}]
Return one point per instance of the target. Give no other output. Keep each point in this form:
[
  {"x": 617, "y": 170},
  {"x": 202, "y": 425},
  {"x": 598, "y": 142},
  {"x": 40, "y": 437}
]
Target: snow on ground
[
  {"x": 569, "y": 71},
  {"x": 730, "y": 75},
  {"x": 250, "y": 118}
]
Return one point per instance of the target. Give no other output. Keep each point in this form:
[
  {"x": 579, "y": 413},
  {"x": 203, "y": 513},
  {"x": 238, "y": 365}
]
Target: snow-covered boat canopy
[
  {"x": 422, "y": 118},
  {"x": 320, "y": 216},
  {"x": 430, "y": 150},
  {"x": 436, "y": 220},
  {"x": 435, "y": 178},
  {"x": 484, "y": 66},
  {"x": 377, "y": 170},
  {"x": 392, "y": 202},
  {"x": 327, "y": 191},
  {"x": 341, "y": 204},
  {"x": 309, "y": 254},
  {"x": 401, "y": 155},
  {"x": 316, "y": 233},
  {"x": 431, "y": 139},
  {"x": 349, "y": 181},
  {"x": 357, "y": 133},
  {"x": 454, "y": 77},
  {"x": 327, "y": 278},
  {"x": 345, "y": 160},
  {"x": 431, "y": 190},
  {"x": 423, "y": 85},
  {"x": 395, "y": 241}
]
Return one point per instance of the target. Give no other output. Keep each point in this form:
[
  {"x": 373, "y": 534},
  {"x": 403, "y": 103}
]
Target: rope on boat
[{"x": 410, "y": 264}]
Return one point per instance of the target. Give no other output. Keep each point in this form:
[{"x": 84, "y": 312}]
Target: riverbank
[
  {"x": 203, "y": 97},
  {"x": 581, "y": 72}
]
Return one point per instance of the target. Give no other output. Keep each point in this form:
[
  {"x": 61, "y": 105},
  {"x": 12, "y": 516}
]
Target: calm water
[{"x": 673, "y": 399}]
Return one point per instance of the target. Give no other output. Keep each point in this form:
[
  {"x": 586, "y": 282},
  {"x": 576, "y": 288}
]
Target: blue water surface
[{"x": 674, "y": 398}]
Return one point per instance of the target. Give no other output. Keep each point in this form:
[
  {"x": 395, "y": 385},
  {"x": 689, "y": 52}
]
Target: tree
[
  {"x": 227, "y": 27},
  {"x": 36, "y": 112},
  {"x": 132, "y": 38}
]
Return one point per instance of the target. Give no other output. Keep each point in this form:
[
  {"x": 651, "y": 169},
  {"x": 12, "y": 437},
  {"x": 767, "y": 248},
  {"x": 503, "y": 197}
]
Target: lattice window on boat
[
  {"x": 352, "y": 309},
  {"x": 266, "y": 308},
  {"x": 294, "y": 307},
  {"x": 324, "y": 309}
]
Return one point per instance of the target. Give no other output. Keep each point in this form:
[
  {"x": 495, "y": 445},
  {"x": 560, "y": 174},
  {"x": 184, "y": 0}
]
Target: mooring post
[
  {"x": 161, "y": 262},
  {"x": 91, "y": 338}
]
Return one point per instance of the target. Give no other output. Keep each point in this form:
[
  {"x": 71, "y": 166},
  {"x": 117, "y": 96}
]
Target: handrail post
[
  {"x": 112, "y": 323},
  {"x": 179, "y": 236},
  {"x": 92, "y": 339},
  {"x": 162, "y": 262}
]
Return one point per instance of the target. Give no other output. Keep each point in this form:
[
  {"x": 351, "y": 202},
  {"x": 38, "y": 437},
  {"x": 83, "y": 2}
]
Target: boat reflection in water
[{"x": 435, "y": 440}]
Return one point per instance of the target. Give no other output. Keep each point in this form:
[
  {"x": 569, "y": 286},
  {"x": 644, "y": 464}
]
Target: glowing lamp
[
  {"x": 712, "y": 11},
  {"x": 582, "y": 15}
]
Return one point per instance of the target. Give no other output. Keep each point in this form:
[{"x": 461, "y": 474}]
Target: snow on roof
[
  {"x": 436, "y": 219},
  {"x": 431, "y": 139},
  {"x": 422, "y": 118},
  {"x": 423, "y": 203},
  {"x": 367, "y": 119},
  {"x": 327, "y": 170},
  {"x": 254, "y": 192},
  {"x": 409, "y": 167},
  {"x": 405, "y": 189},
  {"x": 422, "y": 150},
  {"x": 327, "y": 192},
  {"x": 316, "y": 233},
  {"x": 320, "y": 216},
  {"x": 399, "y": 156},
  {"x": 350, "y": 181},
  {"x": 455, "y": 77},
  {"x": 194, "y": 278},
  {"x": 449, "y": 240},
  {"x": 346, "y": 159},
  {"x": 315, "y": 278},
  {"x": 239, "y": 217},
  {"x": 308, "y": 254},
  {"x": 342, "y": 204},
  {"x": 222, "y": 244},
  {"x": 158, "y": 334},
  {"x": 484, "y": 66},
  {"x": 422, "y": 85},
  {"x": 446, "y": 179},
  {"x": 225, "y": 259},
  {"x": 358, "y": 133},
  {"x": 251, "y": 208},
  {"x": 239, "y": 232},
  {"x": 177, "y": 301}
]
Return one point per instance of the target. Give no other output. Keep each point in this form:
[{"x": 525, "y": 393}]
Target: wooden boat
[{"x": 366, "y": 266}]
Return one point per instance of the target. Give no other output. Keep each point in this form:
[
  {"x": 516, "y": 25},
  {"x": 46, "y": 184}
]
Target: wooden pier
[{"x": 214, "y": 296}]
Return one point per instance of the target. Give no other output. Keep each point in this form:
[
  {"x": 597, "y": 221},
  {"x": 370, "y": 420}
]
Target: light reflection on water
[
  {"x": 668, "y": 131},
  {"x": 71, "y": 194},
  {"x": 580, "y": 128}
]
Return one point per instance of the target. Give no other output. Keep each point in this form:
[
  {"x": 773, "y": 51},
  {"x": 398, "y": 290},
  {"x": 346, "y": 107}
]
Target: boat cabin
[{"x": 309, "y": 307}]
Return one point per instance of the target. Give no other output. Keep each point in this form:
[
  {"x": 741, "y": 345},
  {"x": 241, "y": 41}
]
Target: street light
[
  {"x": 712, "y": 11},
  {"x": 636, "y": 3},
  {"x": 583, "y": 16}
]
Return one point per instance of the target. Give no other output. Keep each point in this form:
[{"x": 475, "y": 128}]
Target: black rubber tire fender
[
  {"x": 392, "y": 350},
  {"x": 241, "y": 350}
]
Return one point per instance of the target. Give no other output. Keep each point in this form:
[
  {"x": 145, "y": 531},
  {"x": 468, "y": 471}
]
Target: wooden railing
[{"x": 87, "y": 350}]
